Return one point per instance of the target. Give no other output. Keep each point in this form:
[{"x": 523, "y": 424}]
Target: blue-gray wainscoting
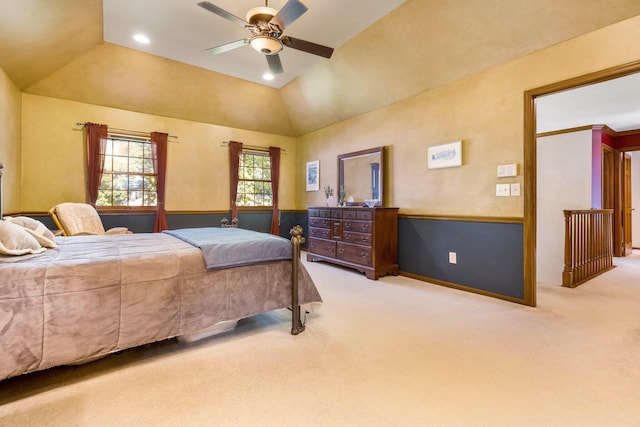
[{"x": 489, "y": 253}]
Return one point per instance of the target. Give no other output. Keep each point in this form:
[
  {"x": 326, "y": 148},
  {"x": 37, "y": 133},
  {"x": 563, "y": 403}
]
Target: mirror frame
[{"x": 346, "y": 156}]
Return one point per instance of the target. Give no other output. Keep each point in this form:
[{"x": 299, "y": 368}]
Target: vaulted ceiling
[
  {"x": 58, "y": 49},
  {"x": 192, "y": 30}
]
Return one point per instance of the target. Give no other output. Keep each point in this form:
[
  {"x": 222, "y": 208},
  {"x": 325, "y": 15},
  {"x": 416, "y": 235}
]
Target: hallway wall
[{"x": 564, "y": 182}]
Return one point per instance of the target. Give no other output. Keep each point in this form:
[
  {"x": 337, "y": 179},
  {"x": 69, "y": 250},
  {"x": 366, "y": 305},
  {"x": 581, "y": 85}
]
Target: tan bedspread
[{"x": 94, "y": 295}]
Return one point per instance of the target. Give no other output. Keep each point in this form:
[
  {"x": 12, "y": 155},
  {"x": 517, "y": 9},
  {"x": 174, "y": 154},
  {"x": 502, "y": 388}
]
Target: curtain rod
[
  {"x": 253, "y": 147},
  {"x": 125, "y": 130}
]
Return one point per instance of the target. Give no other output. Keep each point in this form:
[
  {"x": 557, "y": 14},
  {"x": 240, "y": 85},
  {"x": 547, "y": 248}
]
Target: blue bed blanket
[{"x": 233, "y": 247}]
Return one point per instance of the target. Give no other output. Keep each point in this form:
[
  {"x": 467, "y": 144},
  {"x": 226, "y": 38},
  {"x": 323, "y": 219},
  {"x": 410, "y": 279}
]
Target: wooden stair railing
[{"x": 588, "y": 245}]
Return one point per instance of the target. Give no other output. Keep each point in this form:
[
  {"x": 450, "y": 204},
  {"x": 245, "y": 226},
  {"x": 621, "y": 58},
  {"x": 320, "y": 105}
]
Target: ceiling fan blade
[
  {"x": 275, "y": 65},
  {"x": 227, "y": 47},
  {"x": 309, "y": 47},
  {"x": 291, "y": 11},
  {"x": 223, "y": 13}
]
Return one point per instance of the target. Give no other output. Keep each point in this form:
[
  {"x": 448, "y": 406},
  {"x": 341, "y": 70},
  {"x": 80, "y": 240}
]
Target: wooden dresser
[{"x": 362, "y": 238}]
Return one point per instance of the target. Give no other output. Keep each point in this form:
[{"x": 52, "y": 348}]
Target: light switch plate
[
  {"x": 503, "y": 190},
  {"x": 515, "y": 189},
  {"x": 507, "y": 170}
]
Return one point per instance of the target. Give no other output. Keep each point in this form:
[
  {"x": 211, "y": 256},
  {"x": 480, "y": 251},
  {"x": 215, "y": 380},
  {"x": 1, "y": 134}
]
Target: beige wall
[
  {"x": 422, "y": 45},
  {"x": 564, "y": 182},
  {"x": 198, "y": 171},
  {"x": 114, "y": 76},
  {"x": 485, "y": 110},
  {"x": 10, "y": 117}
]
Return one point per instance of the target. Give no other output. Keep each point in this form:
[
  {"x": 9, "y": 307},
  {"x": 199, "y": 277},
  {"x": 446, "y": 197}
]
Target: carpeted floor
[{"x": 392, "y": 352}]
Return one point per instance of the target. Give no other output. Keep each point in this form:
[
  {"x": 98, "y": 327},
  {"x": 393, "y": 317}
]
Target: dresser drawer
[
  {"x": 319, "y": 222},
  {"x": 319, "y": 213},
  {"x": 354, "y": 253},
  {"x": 365, "y": 215},
  {"x": 321, "y": 233},
  {"x": 349, "y": 214},
  {"x": 357, "y": 226},
  {"x": 357, "y": 238},
  {"x": 322, "y": 247}
]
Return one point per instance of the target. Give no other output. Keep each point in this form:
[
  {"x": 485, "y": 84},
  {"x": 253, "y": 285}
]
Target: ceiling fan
[{"x": 267, "y": 25}]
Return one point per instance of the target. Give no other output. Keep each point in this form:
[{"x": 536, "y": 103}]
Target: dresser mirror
[{"x": 360, "y": 177}]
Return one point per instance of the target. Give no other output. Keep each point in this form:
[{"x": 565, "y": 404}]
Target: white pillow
[
  {"x": 14, "y": 240},
  {"x": 42, "y": 234}
]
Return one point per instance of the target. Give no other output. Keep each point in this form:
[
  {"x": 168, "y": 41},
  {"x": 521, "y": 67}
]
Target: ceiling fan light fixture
[
  {"x": 262, "y": 13},
  {"x": 266, "y": 45}
]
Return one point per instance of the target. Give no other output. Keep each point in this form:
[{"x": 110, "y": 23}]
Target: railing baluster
[{"x": 588, "y": 248}]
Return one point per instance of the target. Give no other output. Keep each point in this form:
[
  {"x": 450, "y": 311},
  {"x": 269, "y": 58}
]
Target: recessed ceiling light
[
  {"x": 141, "y": 38},
  {"x": 267, "y": 76}
]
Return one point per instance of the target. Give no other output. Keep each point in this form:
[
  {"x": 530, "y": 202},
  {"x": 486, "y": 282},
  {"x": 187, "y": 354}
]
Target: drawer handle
[
  {"x": 325, "y": 233},
  {"x": 365, "y": 226},
  {"x": 347, "y": 225},
  {"x": 364, "y": 255},
  {"x": 341, "y": 251},
  {"x": 330, "y": 248},
  {"x": 365, "y": 238}
]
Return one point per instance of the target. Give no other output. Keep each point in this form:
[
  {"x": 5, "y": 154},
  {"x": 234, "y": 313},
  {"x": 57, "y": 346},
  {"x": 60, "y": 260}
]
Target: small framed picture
[
  {"x": 444, "y": 155},
  {"x": 313, "y": 175}
]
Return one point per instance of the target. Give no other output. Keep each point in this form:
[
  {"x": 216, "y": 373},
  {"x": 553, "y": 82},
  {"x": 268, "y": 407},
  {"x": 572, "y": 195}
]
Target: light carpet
[{"x": 392, "y": 352}]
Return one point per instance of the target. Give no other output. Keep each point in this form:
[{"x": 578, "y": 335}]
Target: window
[
  {"x": 254, "y": 184},
  {"x": 128, "y": 177}
]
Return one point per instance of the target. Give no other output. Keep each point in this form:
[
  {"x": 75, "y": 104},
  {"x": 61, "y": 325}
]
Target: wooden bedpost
[{"x": 296, "y": 240}]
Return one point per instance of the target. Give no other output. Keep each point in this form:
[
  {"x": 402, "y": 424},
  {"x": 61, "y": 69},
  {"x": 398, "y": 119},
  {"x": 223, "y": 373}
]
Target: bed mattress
[{"x": 94, "y": 295}]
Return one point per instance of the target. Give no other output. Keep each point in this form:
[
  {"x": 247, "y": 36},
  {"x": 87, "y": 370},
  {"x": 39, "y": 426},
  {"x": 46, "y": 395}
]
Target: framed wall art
[
  {"x": 313, "y": 175},
  {"x": 444, "y": 155}
]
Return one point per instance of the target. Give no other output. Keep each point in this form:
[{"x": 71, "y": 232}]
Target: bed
[{"x": 88, "y": 296}]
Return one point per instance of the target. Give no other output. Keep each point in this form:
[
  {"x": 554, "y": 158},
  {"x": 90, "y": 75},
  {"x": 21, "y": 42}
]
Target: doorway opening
[{"x": 530, "y": 161}]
